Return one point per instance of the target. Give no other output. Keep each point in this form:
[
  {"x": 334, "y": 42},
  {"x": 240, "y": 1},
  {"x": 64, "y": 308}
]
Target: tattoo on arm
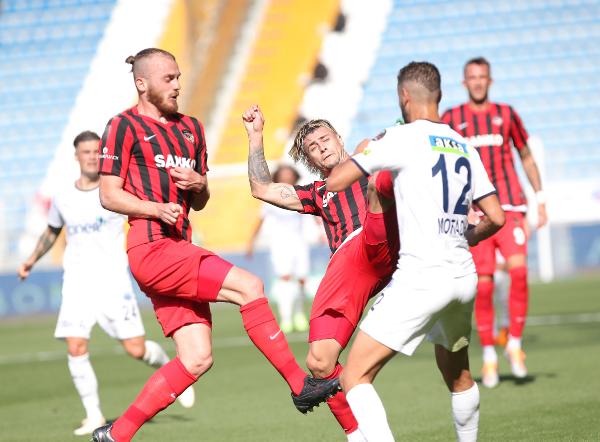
[
  {"x": 258, "y": 170},
  {"x": 46, "y": 241},
  {"x": 286, "y": 191}
]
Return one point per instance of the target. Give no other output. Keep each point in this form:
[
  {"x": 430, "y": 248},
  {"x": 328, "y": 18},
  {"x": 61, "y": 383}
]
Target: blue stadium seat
[
  {"x": 545, "y": 57},
  {"x": 46, "y": 48}
]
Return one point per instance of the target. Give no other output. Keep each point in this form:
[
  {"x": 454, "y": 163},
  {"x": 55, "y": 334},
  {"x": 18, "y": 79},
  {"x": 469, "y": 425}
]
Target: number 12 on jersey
[{"x": 462, "y": 205}]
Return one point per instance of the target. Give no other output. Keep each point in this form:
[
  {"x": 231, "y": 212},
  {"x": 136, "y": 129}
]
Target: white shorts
[
  {"x": 112, "y": 305},
  {"x": 429, "y": 303},
  {"x": 290, "y": 260}
]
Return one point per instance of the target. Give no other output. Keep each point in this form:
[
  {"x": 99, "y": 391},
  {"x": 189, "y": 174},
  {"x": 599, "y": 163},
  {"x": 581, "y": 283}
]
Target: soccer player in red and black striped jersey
[
  {"x": 153, "y": 169},
  {"x": 362, "y": 231},
  {"x": 494, "y": 128}
]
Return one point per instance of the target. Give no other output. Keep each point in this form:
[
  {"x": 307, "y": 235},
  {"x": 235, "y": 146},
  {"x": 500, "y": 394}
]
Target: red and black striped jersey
[
  {"x": 342, "y": 212},
  {"x": 141, "y": 150},
  {"x": 491, "y": 132}
]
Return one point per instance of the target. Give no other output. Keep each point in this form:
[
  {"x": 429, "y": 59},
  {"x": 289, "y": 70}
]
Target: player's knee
[
  {"x": 198, "y": 364},
  {"x": 135, "y": 350},
  {"x": 77, "y": 348},
  {"x": 253, "y": 289},
  {"x": 319, "y": 366}
]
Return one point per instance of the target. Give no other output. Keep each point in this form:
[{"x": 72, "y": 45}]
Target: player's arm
[
  {"x": 343, "y": 175},
  {"x": 261, "y": 185},
  {"x": 45, "y": 243},
  {"x": 114, "y": 198},
  {"x": 490, "y": 223},
  {"x": 533, "y": 175}
]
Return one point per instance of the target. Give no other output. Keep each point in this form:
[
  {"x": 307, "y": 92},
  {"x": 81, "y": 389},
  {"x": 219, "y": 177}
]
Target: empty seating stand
[
  {"x": 46, "y": 48},
  {"x": 545, "y": 57}
]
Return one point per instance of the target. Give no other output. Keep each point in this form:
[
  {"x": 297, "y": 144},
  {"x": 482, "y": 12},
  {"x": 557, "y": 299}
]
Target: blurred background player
[
  {"x": 289, "y": 253},
  {"x": 360, "y": 225},
  {"x": 153, "y": 169},
  {"x": 437, "y": 176},
  {"x": 490, "y": 127},
  {"x": 96, "y": 283}
]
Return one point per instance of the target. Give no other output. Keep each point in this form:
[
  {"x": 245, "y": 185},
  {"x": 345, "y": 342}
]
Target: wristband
[{"x": 540, "y": 197}]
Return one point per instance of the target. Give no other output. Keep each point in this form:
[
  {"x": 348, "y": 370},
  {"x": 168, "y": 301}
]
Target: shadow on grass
[
  {"x": 172, "y": 417},
  {"x": 530, "y": 378}
]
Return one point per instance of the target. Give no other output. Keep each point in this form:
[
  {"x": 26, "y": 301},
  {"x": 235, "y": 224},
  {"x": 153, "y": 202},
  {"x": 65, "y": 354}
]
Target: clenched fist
[
  {"x": 168, "y": 212},
  {"x": 254, "y": 120}
]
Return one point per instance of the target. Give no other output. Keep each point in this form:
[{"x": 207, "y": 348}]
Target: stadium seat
[{"x": 47, "y": 47}]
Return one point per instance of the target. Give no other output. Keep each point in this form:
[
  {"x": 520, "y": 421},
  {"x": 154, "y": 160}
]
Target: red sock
[
  {"x": 161, "y": 390},
  {"x": 262, "y": 328},
  {"x": 484, "y": 312},
  {"x": 339, "y": 406},
  {"x": 518, "y": 300}
]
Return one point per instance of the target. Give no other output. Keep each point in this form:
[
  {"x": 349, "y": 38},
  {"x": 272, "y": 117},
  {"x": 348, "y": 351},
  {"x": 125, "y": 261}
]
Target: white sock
[
  {"x": 513, "y": 343},
  {"x": 155, "y": 356},
  {"x": 356, "y": 436},
  {"x": 285, "y": 294},
  {"x": 86, "y": 384},
  {"x": 465, "y": 411},
  {"x": 489, "y": 354},
  {"x": 370, "y": 414}
]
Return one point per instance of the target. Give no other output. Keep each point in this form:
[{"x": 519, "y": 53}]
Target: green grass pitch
[{"x": 243, "y": 399}]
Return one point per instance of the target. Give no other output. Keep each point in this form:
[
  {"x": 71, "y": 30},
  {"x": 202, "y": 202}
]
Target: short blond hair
[{"x": 297, "y": 151}]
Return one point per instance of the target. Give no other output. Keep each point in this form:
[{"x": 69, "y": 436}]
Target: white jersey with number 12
[{"x": 437, "y": 176}]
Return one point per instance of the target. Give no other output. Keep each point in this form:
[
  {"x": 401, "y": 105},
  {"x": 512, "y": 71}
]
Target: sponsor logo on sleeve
[{"x": 105, "y": 155}]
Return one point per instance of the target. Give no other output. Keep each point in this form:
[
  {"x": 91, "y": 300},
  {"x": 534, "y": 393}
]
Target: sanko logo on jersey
[
  {"x": 448, "y": 145},
  {"x": 174, "y": 161},
  {"x": 486, "y": 140}
]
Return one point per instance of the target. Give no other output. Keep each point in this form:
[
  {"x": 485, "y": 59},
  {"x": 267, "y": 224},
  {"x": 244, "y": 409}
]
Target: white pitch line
[
  {"x": 244, "y": 341},
  {"x": 56, "y": 355}
]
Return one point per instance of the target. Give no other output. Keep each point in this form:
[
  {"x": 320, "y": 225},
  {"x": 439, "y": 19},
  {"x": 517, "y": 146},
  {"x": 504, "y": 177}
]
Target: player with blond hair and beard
[{"x": 153, "y": 168}]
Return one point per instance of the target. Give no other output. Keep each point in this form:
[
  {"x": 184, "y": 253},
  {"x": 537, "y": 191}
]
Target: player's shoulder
[{"x": 122, "y": 118}]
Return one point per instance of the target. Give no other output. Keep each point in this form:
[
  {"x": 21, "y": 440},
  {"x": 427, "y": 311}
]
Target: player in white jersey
[
  {"x": 289, "y": 253},
  {"x": 437, "y": 176},
  {"x": 96, "y": 283}
]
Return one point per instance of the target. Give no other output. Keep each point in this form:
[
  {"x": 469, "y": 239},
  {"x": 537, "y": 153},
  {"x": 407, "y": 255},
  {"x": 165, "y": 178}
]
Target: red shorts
[
  {"x": 509, "y": 240},
  {"x": 357, "y": 271},
  {"x": 180, "y": 279}
]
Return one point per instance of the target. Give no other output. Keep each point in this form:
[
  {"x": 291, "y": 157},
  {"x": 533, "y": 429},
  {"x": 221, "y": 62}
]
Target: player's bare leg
[
  {"x": 322, "y": 361},
  {"x": 518, "y": 300},
  {"x": 465, "y": 394},
  {"x": 367, "y": 357},
  {"x": 85, "y": 381},
  {"x": 154, "y": 355},
  {"x": 246, "y": 290}
]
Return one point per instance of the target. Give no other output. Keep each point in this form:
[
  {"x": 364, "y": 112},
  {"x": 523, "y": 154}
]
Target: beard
[
  {"x": 478, "y": 100},
  {"x": 163, "y": 104}
]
